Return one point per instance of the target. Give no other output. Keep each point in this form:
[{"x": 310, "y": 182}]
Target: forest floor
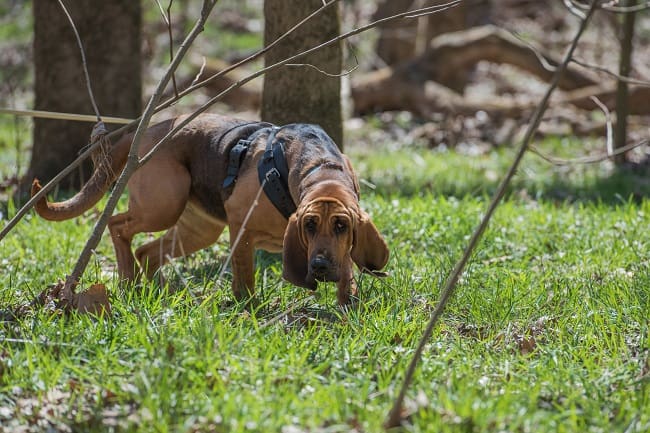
[{"x": 548, "y": 330}]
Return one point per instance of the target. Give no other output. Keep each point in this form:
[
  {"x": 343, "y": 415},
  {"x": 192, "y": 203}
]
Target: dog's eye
[
  {"x": 340, "y": 227},
  {"x": 310, "y": 226}
]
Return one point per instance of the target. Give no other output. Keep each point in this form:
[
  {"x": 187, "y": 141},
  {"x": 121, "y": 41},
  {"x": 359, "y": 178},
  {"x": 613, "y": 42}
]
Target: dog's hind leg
[
  {"x": 194, "y": 231},
  {"x": 158, "y": 195},
  {"x": 118, "y": 226}
]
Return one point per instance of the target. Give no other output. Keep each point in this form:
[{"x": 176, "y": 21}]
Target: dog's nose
[{"x": 320, "y": 265}]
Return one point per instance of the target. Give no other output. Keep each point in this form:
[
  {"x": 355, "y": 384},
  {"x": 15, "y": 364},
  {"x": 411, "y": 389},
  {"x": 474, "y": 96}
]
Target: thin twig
[
  {"x": 627, "y": 9},
  {"x": 167, "y": 17},
  {"x": 43, "y": 114},
  {"x": 574, "y": 9},
  {"x": 83, "y": 60},
  {"x": 198, "y": 75},
  {"x": 543, "y": 61},
  {"x": 585, "y": 159},
  {"x": 328, "y": 74},
  {"x": 610, "y": 7},
  {"x": 629, "y": 80},
  {"x": 394, "y": 418},
  {"x": 171, "y": 43},
  {"x": 608, "y": 121},
  {"x": 549, "y": 67}
]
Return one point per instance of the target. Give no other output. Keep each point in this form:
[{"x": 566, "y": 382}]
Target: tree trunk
[
  {"x": 110, "y": 34},
  {"x": 302, "y": 93},
  {"x": 402, "y": 40},
  {"x": 620, "y": 133}
]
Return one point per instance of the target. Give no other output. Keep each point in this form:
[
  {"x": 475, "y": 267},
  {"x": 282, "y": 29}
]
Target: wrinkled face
[{"x": 326, "y": 230}]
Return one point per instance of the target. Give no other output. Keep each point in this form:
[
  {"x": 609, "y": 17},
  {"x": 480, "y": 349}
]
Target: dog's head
[{"x": 324, "y": 236}]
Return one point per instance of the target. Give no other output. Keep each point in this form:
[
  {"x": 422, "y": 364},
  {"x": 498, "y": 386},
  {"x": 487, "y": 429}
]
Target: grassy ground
[{"x": 548, "y": 330}]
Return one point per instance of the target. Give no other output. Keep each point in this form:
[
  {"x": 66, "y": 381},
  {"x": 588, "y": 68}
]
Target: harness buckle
[{"x": 272, "y": 174}]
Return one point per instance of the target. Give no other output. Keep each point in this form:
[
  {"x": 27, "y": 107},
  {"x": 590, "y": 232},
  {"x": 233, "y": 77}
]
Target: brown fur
[{"x": 180, "y": 190}]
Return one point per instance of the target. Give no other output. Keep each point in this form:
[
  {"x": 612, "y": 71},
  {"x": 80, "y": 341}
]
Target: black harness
[{"x": 272, "y": 169}]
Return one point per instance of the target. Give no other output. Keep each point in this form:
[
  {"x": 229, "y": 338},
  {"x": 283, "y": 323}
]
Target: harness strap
[
  {"x": 235, "y": 158},
  {"x": 237, "y": 154},
  {"x": 273, "y": 169}
]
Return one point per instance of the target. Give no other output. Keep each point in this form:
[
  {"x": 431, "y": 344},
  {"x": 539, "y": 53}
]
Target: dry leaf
[{"x": 93, "y": 301}]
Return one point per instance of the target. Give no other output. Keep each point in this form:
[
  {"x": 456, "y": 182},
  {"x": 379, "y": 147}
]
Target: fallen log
[
  {"x": 638, "y": 98},
  {"x": 403, "y": 86}
]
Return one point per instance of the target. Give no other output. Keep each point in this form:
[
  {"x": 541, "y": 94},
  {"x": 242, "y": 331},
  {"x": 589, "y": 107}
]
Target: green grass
[{"x": 548, "y": 330}]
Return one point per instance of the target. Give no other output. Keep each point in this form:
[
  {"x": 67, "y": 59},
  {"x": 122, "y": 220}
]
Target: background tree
[
  {"x": 110, "y": 33},
  {"x": 624, "y": 68},
  {"x": 303, "y": 94}
]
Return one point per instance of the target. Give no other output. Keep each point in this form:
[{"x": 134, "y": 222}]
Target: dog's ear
[
  {"x": 294, "y": 256},
  {"x": 369, "y": 250}
]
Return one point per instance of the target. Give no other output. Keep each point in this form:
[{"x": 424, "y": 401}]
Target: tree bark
[
  {"x": 301, "y": 93},
  {"x": 404, "y": 39},
  {"x": 625, "y": 61},
  {"x": 110, "y": 34}
]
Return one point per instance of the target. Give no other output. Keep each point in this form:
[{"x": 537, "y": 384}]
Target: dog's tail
[{"x": 108, "y": 162}]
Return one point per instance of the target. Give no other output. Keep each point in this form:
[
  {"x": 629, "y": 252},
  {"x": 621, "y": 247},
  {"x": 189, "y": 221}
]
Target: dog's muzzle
[{"x": 321, "y": 268}]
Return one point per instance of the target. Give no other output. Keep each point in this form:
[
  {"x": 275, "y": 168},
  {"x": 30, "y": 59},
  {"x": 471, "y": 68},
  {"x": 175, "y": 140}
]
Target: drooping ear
[
  {"x": 294, "y": 256},
  {"x": 369, "y": 250}
]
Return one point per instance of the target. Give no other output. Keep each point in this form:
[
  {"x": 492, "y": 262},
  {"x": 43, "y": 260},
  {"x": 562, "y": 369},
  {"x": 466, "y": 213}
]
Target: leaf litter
[{"x": 93, "y": 301}]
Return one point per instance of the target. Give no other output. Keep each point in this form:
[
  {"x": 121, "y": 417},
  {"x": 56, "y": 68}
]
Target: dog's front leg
[
  {"x": 347, "y": 286},
  {"x": 243, "y": 272}
]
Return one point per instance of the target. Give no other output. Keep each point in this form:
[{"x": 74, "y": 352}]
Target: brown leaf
[
  {"x": 93, "y": 301},
  {"x": 525, "y": 344}
]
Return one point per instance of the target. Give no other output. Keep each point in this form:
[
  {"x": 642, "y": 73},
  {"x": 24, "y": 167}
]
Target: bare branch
[
  {"x": 198, "y": 75},
  {"x": 593, "y": 159},
  {"x": 83, "y": 60},
  {"x": 627, "y": 9},
  {"x": 574, "y": 9},
  {"x": 644, "y": 83},
  {"x": 167, "y": 17},
  {"x": 394, "y": 418},
  {"x": 63, "y": 116},
  {"x": 342, "y": 74},
  {"x": 542, "y": 59},
  {"x": 608, "y": 120},
  {"x": 328, "y": 74}
]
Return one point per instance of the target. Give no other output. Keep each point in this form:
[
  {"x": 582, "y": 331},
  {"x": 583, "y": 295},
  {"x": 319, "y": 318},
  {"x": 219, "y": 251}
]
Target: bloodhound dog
[{"x": 210, "y": 175}]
